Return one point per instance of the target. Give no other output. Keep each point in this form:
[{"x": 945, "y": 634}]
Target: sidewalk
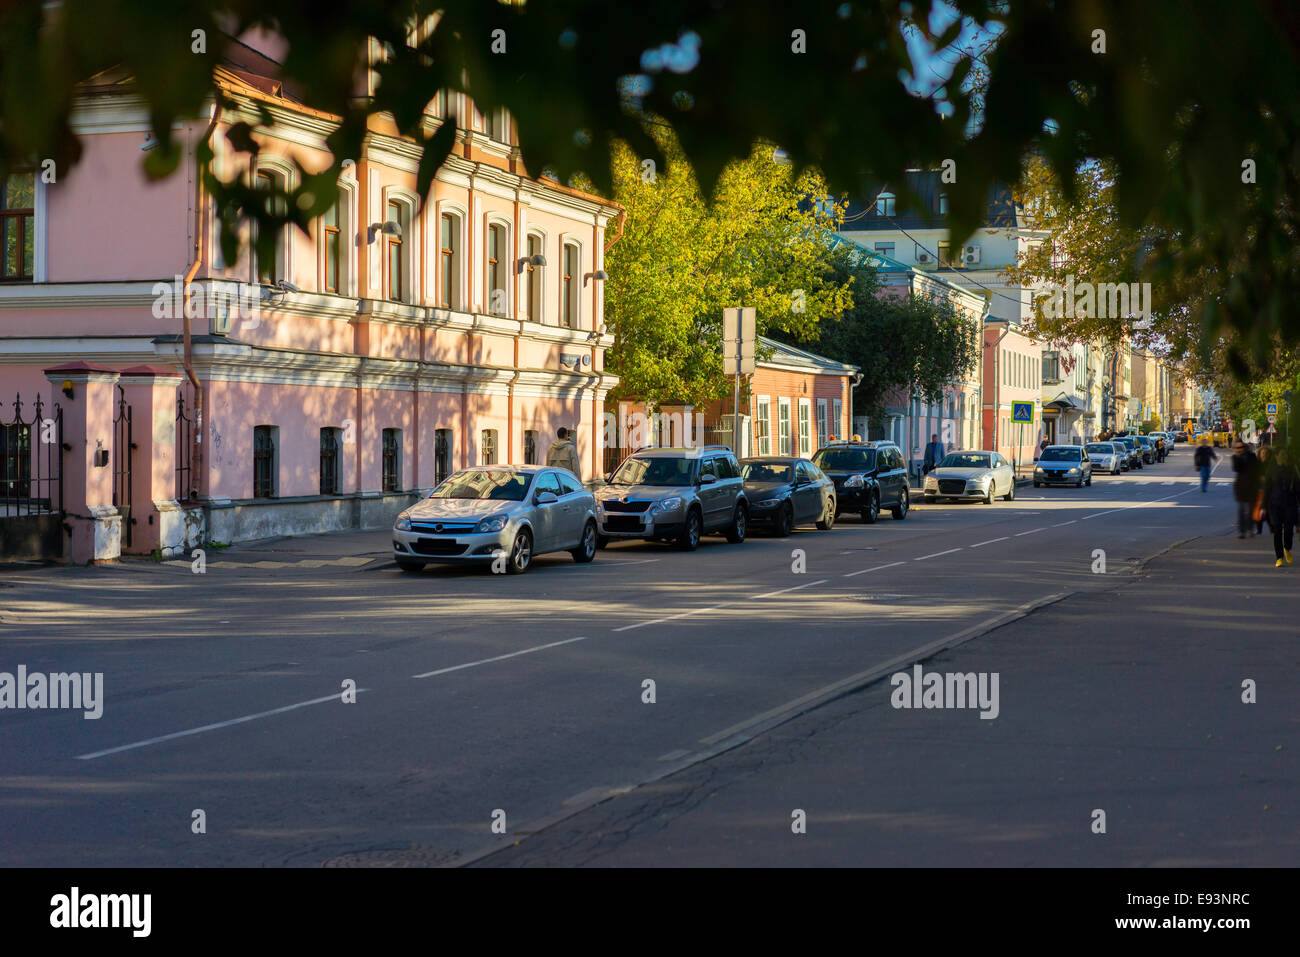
[{"x": 1127, "y": 700}]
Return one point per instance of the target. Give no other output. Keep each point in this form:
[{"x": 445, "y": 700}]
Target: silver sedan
[
  {"x": 981, "y": 475},
  {"x": 1107, "y": 457},
  {"x": 500, "y": 515}
]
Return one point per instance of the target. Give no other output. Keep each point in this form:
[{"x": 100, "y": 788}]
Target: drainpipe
[{"x": 196, "y": 434}]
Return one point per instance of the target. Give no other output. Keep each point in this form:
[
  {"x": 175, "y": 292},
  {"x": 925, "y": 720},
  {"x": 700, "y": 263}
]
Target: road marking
[
  {"x": 513, "y": 654},
  {"x": 674, "y": 755},
  {"x": 1031, "y": 531},
  {"x": 1060, "y": 524},
  {"x": 685, "y": 614},
  {"x": 1123, "y": 508},
  {"x": 772, "y": 594},
  {"x": 1004, "y": 538},
  {"x": 876, "y": 569},
  {"x": 212, "y": 727},
  {"x": 937, "y": 554}
]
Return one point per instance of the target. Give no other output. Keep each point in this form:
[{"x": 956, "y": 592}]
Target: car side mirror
[
  {"x": 708, "y": 479},
  {"x": 546, "y": 498}
]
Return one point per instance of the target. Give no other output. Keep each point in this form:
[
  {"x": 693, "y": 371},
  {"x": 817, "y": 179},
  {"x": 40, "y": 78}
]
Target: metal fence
[{"x": 31, "y": 481}]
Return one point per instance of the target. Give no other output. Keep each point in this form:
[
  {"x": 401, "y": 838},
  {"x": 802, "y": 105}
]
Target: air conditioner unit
[
  {"x": 972, "y": 254},
  {"x": 924, "y": 258}
]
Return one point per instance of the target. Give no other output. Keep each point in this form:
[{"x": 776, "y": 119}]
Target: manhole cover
[{"x": 418, "y": 856}]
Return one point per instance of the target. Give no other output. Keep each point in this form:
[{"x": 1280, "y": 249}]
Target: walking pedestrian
[
  {"x": 1262, "y": 466},
  {"x": 1282, "y": 499},
  {"x": 933, "y": 455},
  {"x": 1245, "y": 487},
  {"x": 1203, "y": 459},
  {"x": 563, "y": 453}
]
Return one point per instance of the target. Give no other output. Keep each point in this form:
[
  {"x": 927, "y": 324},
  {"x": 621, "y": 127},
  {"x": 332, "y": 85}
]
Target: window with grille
[
  {"x": 530, "y": 447},
  {"x": 488, "y": 447},
  {"x": 442, "y": 443},
  {"x": 331, "y": 460},
  {"x": 17, "y": 226},
  {"x": 392, "y": 447},
  {"x": 265, "y": 461},
  {"x": 16, "y": 460}
]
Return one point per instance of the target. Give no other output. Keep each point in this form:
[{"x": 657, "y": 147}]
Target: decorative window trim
[
  {"x": 567, "y": 240},
  {"x": 347, "y": 200},
  {"x": 545, "y": 238},
  {"x": 504, "y": 264},
  {"x": 282, "y": 168},
  {"x": 410, "y": 243},
  {"x": 460, "y": 285}
]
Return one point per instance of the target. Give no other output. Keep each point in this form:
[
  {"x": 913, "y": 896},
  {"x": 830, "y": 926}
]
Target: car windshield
[
  {"x": 1101, "y": 450},
  {"x": 1127, "y": 443},
  {"x": 493, "y": 484},
  {"x": 845, "y": 460},
  {"x": 964, "y": 460},
  {"x": 1143, "y": 440},
  {"x": 1059, "y": 455},
  {"x": 767, "y": 472},
  {"x": 654, "y": 470}
]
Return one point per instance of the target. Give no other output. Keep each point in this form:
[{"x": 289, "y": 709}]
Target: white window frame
[
  {"x": 347, "y": 202},
  {"x": 410, "y": 244},
  {"x": 540, "y": 272},
  {"x": 458, "y": 286},
  {"x": 284, "y": 171},
  {"x": 783, "y": 426},
  {"x": 837, "y": 413},
  {"x": 823, "y": 420},
  {"x": 566, "y": 241},
  {"x": 763, "y": 415},
  {"x": 505, "y": 264},
  {"x": 805, "y": 427}
]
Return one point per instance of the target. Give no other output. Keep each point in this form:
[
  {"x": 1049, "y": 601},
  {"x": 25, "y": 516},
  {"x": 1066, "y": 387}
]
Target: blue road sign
[
  {"x": 1022, "y": 411},
  {"x": 1270, "y": 408}
]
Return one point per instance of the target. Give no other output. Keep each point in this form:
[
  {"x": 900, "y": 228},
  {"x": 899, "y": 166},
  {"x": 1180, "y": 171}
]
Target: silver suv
[{"x": 674, "y": 495}]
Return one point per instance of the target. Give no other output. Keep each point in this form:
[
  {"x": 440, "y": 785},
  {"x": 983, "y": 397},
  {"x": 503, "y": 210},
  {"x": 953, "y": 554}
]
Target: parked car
[
  {"x": 478, "y": 514},
  {"x": 1125, "y": 458},
  {"x": 978, "y": 475},
  {"x": 1106, "y": 457},
  {"x": 1148, "y": 448},
  {"x": 1180, "y": 436},
  {"x": 1063, "y": 465},
  {"x": 1134, "y": 451},
  {"x": 664, "y": 494},
  {"x": 868, "y": 477},
  {"x": 785, "y": 491}
]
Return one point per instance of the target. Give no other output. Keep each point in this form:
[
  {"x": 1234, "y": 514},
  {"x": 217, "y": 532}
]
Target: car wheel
[
  {"x": 409, "y": 565},
  {"x": 521, "y": 553},
  {"x": 1011, "y": 492},
  {"x": 689, "y": 540},
  {"x": 586, "y": 551},
  {"x": 899, "y": 511},
  {"x": 736, "y": 533},
  {"x": 991, "y": 493},
  {"x": 872, "y": 511},
  {"x": 828, "y": 517},
  {"x": 784, "y": 522},
  {"x": 1037, "y": 484}
]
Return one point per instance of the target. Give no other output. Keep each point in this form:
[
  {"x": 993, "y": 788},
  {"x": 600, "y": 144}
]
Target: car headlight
[
  {"x": 931, "y": 480},
  {"x": 854, "y": 481},
  {"x": 1072, "y": 471},
  {"x": 403, "y": 523},
  {"x": 600, "y": 505},
  {"x": 669, "y": 504},
  {"x": 1038, "y": 468},
  {"x": 493, "y": 524}
]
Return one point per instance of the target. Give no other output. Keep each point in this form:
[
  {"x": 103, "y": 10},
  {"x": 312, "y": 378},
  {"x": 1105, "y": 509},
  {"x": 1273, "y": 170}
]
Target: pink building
[
  {"x": 1013, "y": 374},
  {"x": 403, "y": 338}
]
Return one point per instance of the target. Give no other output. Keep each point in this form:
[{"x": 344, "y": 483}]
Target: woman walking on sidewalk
[
  {"x": 1281, "y": 498},
  {"x": 1262, "y": 466},
  {"x": 1245, "y": 487}
]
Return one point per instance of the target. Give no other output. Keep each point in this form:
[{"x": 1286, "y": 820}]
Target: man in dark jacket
[
  {"x": 1245, "y": 487},
  {"x": 1282, "y": 499},
  {"x": 1204, "y": 458},
  {"x": 933, "y": 455}
]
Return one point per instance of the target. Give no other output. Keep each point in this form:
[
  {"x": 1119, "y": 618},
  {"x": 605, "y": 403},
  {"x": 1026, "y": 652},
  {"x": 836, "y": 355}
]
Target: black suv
[{"x": 868, "y": 476}]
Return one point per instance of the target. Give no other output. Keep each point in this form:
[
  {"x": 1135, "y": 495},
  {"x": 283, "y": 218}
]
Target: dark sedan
[{"x": 786, "y": 491}]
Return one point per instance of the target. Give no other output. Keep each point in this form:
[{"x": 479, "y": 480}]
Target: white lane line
[
  {"x": 513, "y": 654},
  {"x": 773, "y": 594},
  {"x": 937, "y": 554},
  {"x": 876, "y": 569},
  {"x": 1124, "y": 508},
  {"x": 1061, "y": 524},
  {"x": 1031, "y": 531},
  {"x": 684, "y": 614},
  {"x": 212, "y": 727},
  {"x": 1004, "y": 538}
]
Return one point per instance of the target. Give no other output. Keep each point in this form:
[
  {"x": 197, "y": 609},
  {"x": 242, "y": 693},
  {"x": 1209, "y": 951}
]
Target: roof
[
  {"x": 887, "y": 265},
  {"x": 784, "y": 354},
  {"x": 1000, "y": 210}
]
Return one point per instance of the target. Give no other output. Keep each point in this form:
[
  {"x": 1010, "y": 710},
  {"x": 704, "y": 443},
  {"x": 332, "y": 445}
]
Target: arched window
[
  {"x": 449, "y": 260},
  {"x": 885, "y": 204},
  {"x": 535, "y": 300},
  {"x": 570, "y": 284},
  {"x": 498, "y": 296},
  {"x": 395, "y": 251},
  {"x": 269, "y": 264}
]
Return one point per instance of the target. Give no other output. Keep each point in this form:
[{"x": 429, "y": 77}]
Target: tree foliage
[
  {"x": 913, "y": 343},
  {"x": 761, "y": 242}
]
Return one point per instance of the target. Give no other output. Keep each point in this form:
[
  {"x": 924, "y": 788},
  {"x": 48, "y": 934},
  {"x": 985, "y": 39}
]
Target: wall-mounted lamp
[
  {"x": 599, "y": 275},
  {"x": 531, "y": 262},
  {"x": 389, "y": 228},
  {"x": 67, "y": 389}
]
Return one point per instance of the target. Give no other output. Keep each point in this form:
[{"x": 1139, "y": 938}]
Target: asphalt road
[{"x": 519, "y": 700}]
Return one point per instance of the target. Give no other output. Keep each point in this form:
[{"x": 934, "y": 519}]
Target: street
[{"x": 523, "y": 702}]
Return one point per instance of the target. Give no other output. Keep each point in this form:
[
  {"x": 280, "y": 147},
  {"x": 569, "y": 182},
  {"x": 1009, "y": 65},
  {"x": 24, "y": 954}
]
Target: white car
[
  {"x": 980, "y": 475},
  {"x": 1105, "y": 457}
]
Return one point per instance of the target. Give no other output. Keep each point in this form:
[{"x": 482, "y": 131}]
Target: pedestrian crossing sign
[
  {"x": 1022, "y": 412},
  {"x": 1270, "y": 408}
]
